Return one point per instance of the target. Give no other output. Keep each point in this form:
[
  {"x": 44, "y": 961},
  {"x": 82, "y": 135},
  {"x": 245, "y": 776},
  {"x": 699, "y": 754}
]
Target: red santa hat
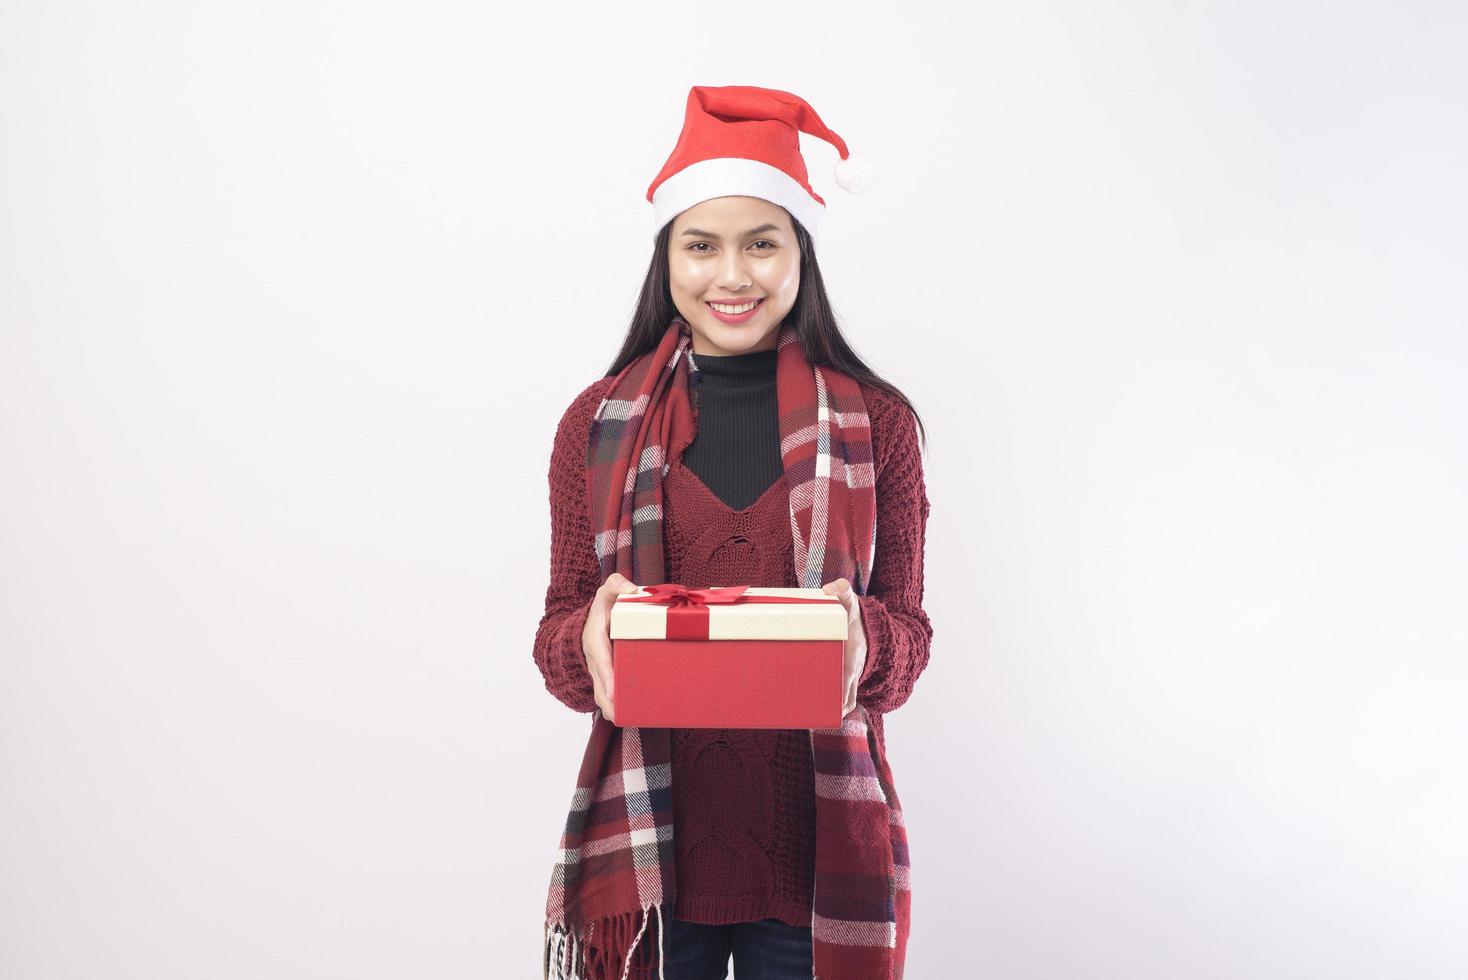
[{"x": 740, "y": 139}]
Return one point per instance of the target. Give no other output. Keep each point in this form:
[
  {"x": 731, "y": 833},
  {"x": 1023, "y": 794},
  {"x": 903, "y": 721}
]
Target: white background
[{"x": 293, "y": 295}]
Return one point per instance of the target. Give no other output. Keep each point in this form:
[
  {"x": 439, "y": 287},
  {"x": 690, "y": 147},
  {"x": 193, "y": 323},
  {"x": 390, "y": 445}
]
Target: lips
[{"x": 736, "y": 318}]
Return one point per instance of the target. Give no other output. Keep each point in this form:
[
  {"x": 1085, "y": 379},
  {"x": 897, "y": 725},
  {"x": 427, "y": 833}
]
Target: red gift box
[{"x": 733, "y": 657}]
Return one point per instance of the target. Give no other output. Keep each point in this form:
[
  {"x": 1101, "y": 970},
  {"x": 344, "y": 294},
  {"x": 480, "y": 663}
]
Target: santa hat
[{"x": 740, "y": 139}]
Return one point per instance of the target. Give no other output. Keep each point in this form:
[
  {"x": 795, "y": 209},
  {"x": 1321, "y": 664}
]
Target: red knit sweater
[{"x": 744, "y": 799}]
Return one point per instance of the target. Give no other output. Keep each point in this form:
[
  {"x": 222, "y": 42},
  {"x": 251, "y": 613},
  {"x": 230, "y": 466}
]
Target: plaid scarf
[{"x": 615, "y": 864}]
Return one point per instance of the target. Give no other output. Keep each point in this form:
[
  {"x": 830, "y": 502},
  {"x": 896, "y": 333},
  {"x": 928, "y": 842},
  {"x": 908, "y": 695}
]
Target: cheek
[
  {"x": 785, "y": 281},
  {"x": 685, "y": 277}
]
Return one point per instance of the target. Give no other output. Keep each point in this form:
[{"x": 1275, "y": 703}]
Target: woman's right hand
[{"x": 596, "y": 641}]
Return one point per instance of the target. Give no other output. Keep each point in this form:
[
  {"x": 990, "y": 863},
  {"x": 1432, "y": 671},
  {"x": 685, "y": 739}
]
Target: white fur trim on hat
[{"x": 726, "y": 176}]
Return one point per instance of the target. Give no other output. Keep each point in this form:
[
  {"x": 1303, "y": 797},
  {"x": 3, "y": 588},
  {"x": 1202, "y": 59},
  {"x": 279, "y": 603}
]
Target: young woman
[{"x": 736, "y": 439}]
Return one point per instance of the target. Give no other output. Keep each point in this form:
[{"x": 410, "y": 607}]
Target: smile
[{"x": 730, "y": 313}]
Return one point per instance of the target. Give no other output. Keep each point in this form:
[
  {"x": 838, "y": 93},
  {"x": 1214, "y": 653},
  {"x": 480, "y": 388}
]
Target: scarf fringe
[{"x": 619, "y": 956}]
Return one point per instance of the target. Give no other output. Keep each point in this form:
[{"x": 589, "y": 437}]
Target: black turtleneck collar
[
  {"x": 736, "y": 451},
  {"x": 735, "y": 369}
]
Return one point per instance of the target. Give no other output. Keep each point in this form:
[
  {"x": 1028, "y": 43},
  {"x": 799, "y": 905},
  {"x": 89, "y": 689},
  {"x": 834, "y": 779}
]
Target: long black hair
[{"x": 814, "y": 320}]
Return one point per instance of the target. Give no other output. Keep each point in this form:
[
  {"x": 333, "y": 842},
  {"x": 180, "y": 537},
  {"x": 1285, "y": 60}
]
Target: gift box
[{"x": 732, "y": 657}]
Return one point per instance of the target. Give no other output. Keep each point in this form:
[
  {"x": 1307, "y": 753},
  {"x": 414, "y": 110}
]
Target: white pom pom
[{"x": 855, "y": 173}]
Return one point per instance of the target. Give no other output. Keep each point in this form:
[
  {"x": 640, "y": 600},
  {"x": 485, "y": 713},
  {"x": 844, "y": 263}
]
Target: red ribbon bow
[
  {"x": 682, "y": 595},
  {"x": 688, "y": 614}
]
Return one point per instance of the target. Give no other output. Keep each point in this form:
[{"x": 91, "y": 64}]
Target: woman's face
[{"x": 733, "y": 251}]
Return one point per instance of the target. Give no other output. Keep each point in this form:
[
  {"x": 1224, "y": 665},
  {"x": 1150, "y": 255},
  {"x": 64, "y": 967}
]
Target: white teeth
[{"x": 735, "y": 309}]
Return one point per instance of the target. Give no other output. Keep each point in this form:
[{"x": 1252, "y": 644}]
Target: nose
[{"x": 733, "y": 275}]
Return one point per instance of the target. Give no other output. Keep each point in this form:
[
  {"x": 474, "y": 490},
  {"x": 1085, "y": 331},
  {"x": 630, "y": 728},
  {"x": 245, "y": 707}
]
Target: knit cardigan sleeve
[
  {"x": 574, "y": 573},
  {"x": 899, "y": 636}
]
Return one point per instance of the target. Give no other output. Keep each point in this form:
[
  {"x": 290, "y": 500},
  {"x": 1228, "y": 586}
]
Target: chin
[{"x": 734, "y": 341}]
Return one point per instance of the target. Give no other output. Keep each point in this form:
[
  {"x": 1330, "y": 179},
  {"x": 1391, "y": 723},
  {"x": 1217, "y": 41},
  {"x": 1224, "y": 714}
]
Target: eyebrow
[{"x": 753, "y": 231}]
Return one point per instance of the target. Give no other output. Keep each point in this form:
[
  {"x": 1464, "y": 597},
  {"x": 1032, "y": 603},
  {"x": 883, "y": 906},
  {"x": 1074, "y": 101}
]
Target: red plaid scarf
[{"x": 615, "y": 864}]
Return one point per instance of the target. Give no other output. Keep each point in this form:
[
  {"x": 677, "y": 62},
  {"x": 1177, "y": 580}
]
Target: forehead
[{"x": 732, "y": 216}]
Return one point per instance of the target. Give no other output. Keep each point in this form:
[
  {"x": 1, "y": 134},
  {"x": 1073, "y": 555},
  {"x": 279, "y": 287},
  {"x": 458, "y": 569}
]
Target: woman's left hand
[{"x": 855, "y": 660}]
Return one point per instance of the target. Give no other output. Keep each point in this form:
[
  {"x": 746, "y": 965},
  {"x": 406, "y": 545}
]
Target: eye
[
  {"x": 767, "y": 242},
  {"x": 694, "y": 246}
]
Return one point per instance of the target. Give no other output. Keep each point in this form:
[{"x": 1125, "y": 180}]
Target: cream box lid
[{"x": 823, "y": 620}]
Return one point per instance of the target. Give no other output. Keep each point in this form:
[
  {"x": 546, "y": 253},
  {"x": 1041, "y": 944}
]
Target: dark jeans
[{"x": 765, "y": 950}]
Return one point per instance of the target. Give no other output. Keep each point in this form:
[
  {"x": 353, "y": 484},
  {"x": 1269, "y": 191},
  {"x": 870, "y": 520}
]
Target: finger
[
  {"x": 601, "y": 666},
  {"x": 608, "y": 673},
  {"x": 841, "y": 589},
  {"x": 609, "y": 706},
  {"x": 615, "y": 585},
  {"x": 611, "y": 590}
]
